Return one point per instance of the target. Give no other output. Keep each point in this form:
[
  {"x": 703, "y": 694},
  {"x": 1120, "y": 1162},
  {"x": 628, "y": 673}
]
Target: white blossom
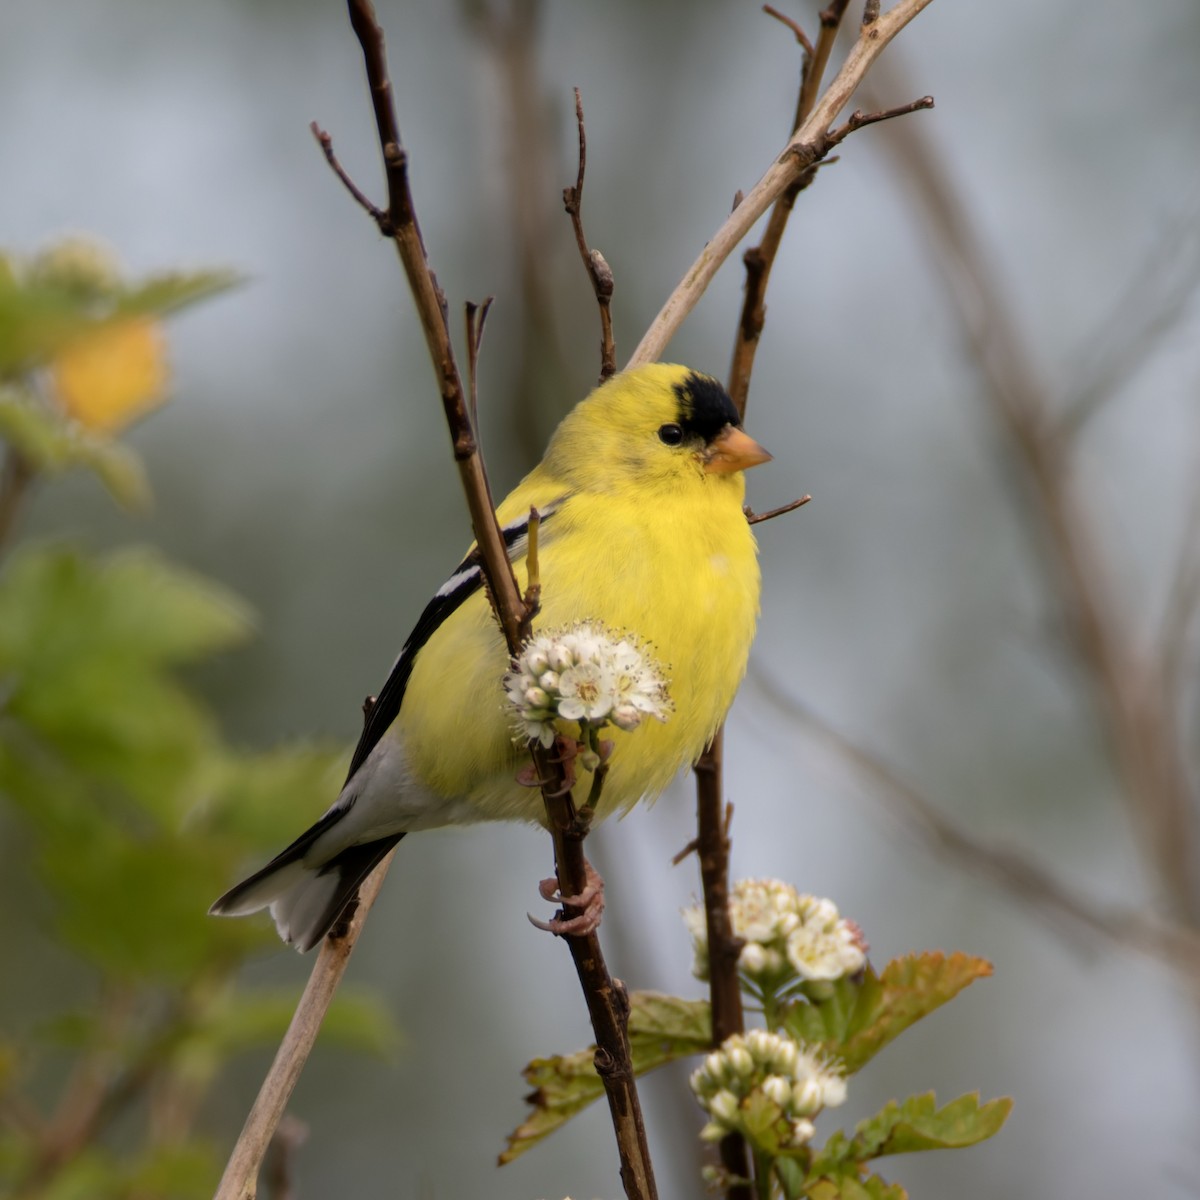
[
  {"x": 789, "y": 936},
  {"x": 773, "y": 1102},
  {"x": 585, "y": 673}
]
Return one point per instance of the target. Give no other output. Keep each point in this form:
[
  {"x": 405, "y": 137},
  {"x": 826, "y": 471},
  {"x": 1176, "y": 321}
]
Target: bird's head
[{"x": 664, "y": 426}]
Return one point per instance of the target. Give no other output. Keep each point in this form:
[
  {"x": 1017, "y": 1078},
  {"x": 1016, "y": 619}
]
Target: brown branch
[
  {"x": 605, "y": 999},
  {"x": 1013, "y": 871},
  {"x": 599, "y": 272},
  {"x": 239, "y": 1182},
  {"x": 712, "y": 839},
  {"x": 805, "y": 147},
  {"x": 1135, "y": 716},
  {"x": 376, "y": 214},
  {"x": 796, "y": 29},
  {"x": 725, "y": 995},
  {"x": 754, "y": 518},
  {"x": 859, "y": 119}
]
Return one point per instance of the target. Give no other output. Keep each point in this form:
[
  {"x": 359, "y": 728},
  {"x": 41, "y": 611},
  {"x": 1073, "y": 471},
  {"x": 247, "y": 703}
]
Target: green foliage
[
  {"x": 844, "y": 1022},
  {"x": 661, "y": 1030},
  {"x": 854, "y": 1018},
  {"x": 130, "y": 808},
  {"x": 52, "y": 445},
  {"x": 43, "y": 308}
]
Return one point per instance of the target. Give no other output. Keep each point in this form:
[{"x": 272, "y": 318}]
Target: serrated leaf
[
  {"x": 863, "y": 1014},
  {"x": 39, "y": 317},
  {"x": 661, "y": 1029},
  {"x": 850, "y": 1187},
  {"x": 918, "y": 1124}
]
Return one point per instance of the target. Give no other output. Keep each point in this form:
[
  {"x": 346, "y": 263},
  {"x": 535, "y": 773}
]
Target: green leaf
[
  {"x": 40, "y": 316},
  {"x": 850, "y": 1187},
  {"x": 863, "y": 1014},
  {"x": 52, "y": 444},
  {"x": 172, "y": 290},
  {"x": 661, "y": 1029},
  {"x": 918, "y": 1124}
]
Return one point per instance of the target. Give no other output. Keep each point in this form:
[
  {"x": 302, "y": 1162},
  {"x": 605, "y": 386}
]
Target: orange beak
[{"x": 732, "y": 450}]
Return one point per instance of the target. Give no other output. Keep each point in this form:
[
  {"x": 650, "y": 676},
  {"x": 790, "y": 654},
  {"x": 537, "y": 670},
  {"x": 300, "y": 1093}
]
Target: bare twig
[
  {"x": 756, "y": 518},
  {"x": 806, "y": 146},
  {"x": 860, "y": 119},
  {"x": 795, "y": 27},
  {"x": 239, "y": 1182},
  {"x": 1014, "y": 871},
  {"x": 376, "y": 214},
  {"x": 599, "y": 272},
  {"x": 477, "y": 315}
]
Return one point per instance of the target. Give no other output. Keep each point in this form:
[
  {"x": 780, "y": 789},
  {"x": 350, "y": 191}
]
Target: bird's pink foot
[{"x": 589, "y": 902}]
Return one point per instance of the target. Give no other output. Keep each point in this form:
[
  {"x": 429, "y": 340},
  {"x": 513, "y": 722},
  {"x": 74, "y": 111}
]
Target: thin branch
[
  {"x": 754, "y": 518},
  {"x": 599, "y": 272},
  {"x": 477, "y": 315},
  {"x": 815, "y": 65},
  {"x": 1151, "y": 304},
  {"x": 1183, "y": 602},
  {"x": 796, "y": 29},
  {"x": 724, "y": 946},
  {"x": 1013, "y": 871},
  {"x": 860, "y": 119},
  {"x": 806, "y": 146},
  {"x": 239, "y": 1182},
  {"x": 606, "y": 1002},
  {"x": 376, "y": 214}
]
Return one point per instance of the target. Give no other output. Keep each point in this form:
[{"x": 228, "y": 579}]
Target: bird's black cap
[{"x": 704, "y": 406}]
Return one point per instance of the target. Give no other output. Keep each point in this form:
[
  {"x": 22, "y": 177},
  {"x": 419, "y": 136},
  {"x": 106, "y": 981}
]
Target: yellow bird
[{"x": 641, "y": 528}]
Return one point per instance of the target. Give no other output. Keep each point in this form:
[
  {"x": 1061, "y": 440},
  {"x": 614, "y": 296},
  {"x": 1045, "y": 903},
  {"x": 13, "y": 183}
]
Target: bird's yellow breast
[{"x": 683, "y": 578}]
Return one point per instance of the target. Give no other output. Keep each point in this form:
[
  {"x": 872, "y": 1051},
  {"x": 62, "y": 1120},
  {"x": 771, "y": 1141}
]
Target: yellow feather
[{"x": 648, "y": 542}]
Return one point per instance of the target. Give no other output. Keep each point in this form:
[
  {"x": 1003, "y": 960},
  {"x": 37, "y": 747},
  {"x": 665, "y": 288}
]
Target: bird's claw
[{"x": 589, "y": 902}]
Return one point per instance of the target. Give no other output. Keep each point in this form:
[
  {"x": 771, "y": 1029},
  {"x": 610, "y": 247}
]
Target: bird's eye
[{"x": 672, "y": 434}]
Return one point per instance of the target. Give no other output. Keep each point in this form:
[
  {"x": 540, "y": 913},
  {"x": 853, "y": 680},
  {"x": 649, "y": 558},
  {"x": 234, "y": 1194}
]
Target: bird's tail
[{"x": 306, "y": 900}]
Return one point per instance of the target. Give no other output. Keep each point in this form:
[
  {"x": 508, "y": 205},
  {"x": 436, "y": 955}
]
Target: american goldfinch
[{"x": 641, "y": 527}]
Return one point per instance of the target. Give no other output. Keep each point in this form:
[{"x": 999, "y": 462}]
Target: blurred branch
[
  {"x": 239, "y": 1182},
  {"x": 1151, "y": 305},
  {"x": 277, "y": 1170},
  {"x": 599, "y": 272},
  {"x": 807, "y": 146},
  {"x": 508, "y": 30},
  {"x": 1137, "y": 718},
  {"x": 16, "y": 475},
  {"x": 1183, "y": 601},
  {"x": 1013, "y": 871}
]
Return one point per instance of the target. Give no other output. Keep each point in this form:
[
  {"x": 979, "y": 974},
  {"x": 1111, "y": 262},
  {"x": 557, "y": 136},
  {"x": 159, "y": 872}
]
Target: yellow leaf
[{"x": 112, "y": 375}]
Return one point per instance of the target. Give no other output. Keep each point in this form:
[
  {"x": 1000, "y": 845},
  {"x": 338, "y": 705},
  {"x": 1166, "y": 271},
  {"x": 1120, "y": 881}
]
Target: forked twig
[{"x": 599, "y": 272}]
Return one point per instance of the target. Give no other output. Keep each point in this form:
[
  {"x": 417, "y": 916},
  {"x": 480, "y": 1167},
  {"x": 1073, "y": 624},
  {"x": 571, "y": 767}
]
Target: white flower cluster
[
  {"x": 789, "y": 936},
  {"x": 766, "y": 1086},
  {"x": 588, "y": 674}
]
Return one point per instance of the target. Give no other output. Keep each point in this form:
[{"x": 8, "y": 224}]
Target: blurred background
[{"x": 1019, "y": 261}]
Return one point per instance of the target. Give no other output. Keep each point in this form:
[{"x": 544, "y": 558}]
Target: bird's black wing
[{"x": 464, "y": 583}]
